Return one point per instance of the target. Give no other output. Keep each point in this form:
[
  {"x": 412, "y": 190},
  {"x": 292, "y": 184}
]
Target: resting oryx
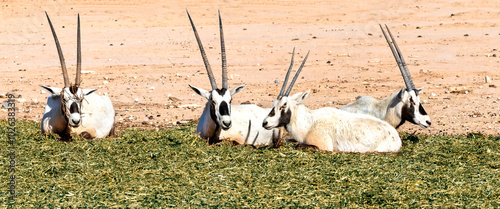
[
  {"x": 328, "y": 128},
  {"x": 72, "y": 110},
  {"x": 397, "y": 108},
  {"x": 221, "y": 120}
]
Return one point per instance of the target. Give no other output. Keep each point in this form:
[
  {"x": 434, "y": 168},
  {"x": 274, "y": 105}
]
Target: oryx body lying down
[
  {"x": 332, "y": 129},
  {"x": 72, "y": 110},
  {"x": 397, "y": 108},
  {"x": 96, "y": 114},
  {"x": 328, "y": 128},
  {"x": 246, "y": 126},
  {"x": 220, "y": 119}
]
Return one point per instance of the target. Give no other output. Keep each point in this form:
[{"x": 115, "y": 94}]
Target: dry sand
[{"x": 146, "y": 50}]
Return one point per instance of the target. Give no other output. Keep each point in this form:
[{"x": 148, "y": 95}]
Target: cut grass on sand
[{"x": 174, "y": 168}]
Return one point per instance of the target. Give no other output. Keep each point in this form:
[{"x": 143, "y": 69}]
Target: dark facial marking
[
  {"x": 407, "y": 114},
  {"x": 212, "y": 112},
  {"x": 272, "y": 113},
  {"x": 224, "y": 108},
  {"x": 73, "y": 108},
  {"x": 285, "y": 117},
  {"x": 421, "y": 110},
  {"x": 215, "y": 138},
  {"x": 221, "y": 91},
  {"x": 73, "y": 89}
]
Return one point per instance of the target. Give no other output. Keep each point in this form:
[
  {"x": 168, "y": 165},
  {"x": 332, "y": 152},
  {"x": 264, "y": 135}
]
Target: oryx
[
  {"x": 328, "y": 128},
  {"x": 72, "y": 110},
  {"x": 221, "y": 120},
  {"x": 399, "y": 107}
]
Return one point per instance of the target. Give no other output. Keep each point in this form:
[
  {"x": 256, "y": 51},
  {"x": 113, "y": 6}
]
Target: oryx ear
[
  {"x": 417, "y": 91},
  {"x": 88, "y": 91},
  {"x": 53, "y": 90},
  {"x": 201, "y": 92},
  {"x": 404, "y": 95},
  {"x": 299, "y": 97},
  {"x": 237, "y": 89},
  {"x": 401, "y": 93}
]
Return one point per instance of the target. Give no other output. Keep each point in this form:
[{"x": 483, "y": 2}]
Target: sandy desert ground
[{"x": 142, "y": 54}]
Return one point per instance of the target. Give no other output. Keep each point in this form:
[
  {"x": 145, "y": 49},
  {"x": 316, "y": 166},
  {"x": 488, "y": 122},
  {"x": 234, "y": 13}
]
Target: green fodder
[{"x": 174, "y": 168}]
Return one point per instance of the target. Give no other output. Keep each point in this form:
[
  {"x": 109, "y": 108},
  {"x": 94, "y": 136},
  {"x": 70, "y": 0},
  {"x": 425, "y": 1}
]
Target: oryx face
[
  {"x": 413, "y": 111},
  {"x": 279, "y": 116},
  {"x": 220, "y": 103},
  {"x": 282, "y": 110},
  {"x": 71, "y": 100},
  {"x": 221, "y": 107}
]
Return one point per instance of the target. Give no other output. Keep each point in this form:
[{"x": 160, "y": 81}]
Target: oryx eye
[
  {"x": 412, "y": 102},
  {"x": 283, "y": 106}
]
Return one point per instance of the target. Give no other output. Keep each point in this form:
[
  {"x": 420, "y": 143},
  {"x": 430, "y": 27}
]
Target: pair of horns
[
  {"x": 399, "y": 59},
  {"x": 294, "y": 78},
  {"x": 61, "y": 56},
  {"x": 205, "y": 59}
]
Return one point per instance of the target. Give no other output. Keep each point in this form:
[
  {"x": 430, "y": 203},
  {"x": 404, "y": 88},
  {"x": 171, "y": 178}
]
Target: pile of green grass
[{"x": 173, "y": 168}]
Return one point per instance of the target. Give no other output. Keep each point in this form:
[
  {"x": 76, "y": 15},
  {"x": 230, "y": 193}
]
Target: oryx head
[
  {"x": 219, "y": 99},
  {"x": 71, "y": 95},
  {"x": 413, "y": 110},
  {"x": 284, "y": 105}
]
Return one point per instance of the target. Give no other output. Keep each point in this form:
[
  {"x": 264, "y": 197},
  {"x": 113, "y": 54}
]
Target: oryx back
[
  {"x": 337, "y": 130},
  {"x": 365, "y": 105},
  {"x": 97, "y": 116}
]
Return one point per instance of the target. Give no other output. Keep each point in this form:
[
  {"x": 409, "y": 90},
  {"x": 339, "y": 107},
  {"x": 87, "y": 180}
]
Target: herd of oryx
[{"x": 366, "y": 125}]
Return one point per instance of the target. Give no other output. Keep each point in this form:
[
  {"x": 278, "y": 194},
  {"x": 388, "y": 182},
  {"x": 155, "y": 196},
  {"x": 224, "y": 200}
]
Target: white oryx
[
  {"x": 221, "y": 120},
  {"x": 72, "y": 110},
  {"x": 397, "y": 108},
  {"x": 328, "y": 128}
]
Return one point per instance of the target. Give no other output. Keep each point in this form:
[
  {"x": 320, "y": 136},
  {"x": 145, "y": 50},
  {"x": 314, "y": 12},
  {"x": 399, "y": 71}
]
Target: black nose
[
  {"x": 428, "y": 122},
  {"x": 227, "y": 124},
  {"x": 264, "y": 124},
  {"x": 75, "y": 121}
]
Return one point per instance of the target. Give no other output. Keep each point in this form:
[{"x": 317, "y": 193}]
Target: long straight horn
[
  {"x": 296, "y": 75},
  {"x": 407, "y": 71},
  {"x": 223, "y": 55},
  {"x": 287, "y": 75},
  {"x": 59, "y": 51},
  {"x": 203, "y": 55},
  {"x": 78, "y": 55},
  {"x": 399, "y": 59}
]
